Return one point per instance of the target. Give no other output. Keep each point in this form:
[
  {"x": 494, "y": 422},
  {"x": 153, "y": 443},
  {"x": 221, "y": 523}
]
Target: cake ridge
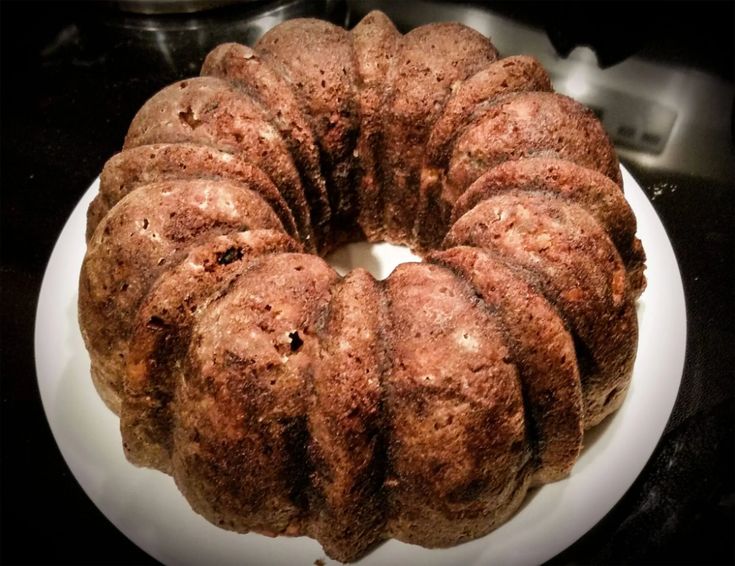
[
  {"x": 137, "y": 166},
  {"x": 325, "y": 86},
  {"x": 244, "y": 68},
  {"x": 547, "y": 370},
  {"x": 424, "y": 85},
  {"x": 209, "y": 111}
]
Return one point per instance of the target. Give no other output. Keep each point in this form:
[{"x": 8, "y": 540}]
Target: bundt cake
[{"x": 286, "y": 399}]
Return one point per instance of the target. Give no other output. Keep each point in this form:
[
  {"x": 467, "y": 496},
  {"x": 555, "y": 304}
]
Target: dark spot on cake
[
  {"x": 188, "y": 118},
  {"x": 468, "y": 492},
  {"x": 585, "y": 359},
  {"x": 298, "y": 466},
  {"x": 156, "y": 323},
  {"x": 612, "y": 395},
  {"x": 229, "y": 255},
  {"x": 296, "y": 341}
]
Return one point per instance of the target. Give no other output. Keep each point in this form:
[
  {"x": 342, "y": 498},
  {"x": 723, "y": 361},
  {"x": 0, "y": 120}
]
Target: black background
[{"x": 73, "y": 75}]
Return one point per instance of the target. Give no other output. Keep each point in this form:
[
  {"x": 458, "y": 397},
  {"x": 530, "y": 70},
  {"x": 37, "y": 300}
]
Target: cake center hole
[{"x": 378, "y": 259}]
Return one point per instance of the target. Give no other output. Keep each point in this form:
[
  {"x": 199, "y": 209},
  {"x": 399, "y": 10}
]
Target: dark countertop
[{"x": 73, "y": 75}]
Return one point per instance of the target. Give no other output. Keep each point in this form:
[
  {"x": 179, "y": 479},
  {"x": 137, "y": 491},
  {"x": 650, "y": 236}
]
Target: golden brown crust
[
  {"x": 469, "y": 100},
  {"x": 131, "y": 168},
  {"x": 240, "y": 440},
  {"x": 430, "y": 59},
  {"x": 144, "y": 234},
  {"x": 458, "y": 452},
  {"x": 572, "y": 261},
  {"x": 161, "y": 333},
  {"x": 543, "y": 351},
  {"x": 323, "y": 77},
  {"x": 243, "y": 67},
  {"x": 530, "y": 124},
  {"x": 375, "y": 40},
  {"x": 209, "y": 111},
  {"x": 346, "y": 424},
  {"x": 590, "y": 189}
]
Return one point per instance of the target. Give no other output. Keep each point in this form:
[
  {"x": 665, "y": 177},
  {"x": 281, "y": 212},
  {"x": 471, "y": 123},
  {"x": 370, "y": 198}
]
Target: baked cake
[{"x": 286, "y": 399}]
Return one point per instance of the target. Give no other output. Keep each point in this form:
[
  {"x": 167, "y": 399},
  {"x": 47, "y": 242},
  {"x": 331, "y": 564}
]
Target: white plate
[{"x": 147, "y": 507}]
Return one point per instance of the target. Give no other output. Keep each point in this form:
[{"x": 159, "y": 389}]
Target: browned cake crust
[
  {"x": 146, "y": 232},
  {"x": 241, "y": 436},
  {"x": 458, "y": 452},
  {"x": 285, "y": 399},
  {"x": 209, "y": 111},
  {"x": 468, "y": 101},
  {"x": 530, "y": 124},
  {"x": 375, "y": 40},
  {"x": 323, "y": 77},
  {"x": 346, "y": 422},
  {"x": 161, "y": 333},
  {"x": 145, "y": 164},
  {"x": 543, "y": 350},
  {"x": 430, "y": 60},
  {"x": 472, "y": 98},
  {"x": 592, "y": 190},
  {"x": 244, "y": 68},
  {"x": 572, "y": 261}
]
